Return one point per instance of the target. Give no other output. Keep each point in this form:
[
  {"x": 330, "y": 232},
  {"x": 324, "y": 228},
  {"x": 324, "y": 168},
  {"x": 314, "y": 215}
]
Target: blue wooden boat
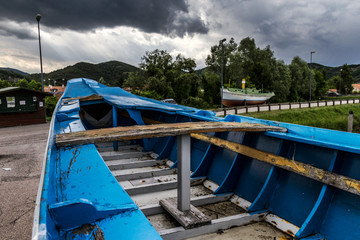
[{"x": 309, "y": 188}]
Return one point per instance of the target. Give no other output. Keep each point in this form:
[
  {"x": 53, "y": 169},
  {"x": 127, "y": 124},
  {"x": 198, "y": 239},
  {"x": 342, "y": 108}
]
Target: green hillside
[
  {"x": 113, "y": 72},
  {"x": 334, "y": 71},
  {"x": 9, "y": 75}
]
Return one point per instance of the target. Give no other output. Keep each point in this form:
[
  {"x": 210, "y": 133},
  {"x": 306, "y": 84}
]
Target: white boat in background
[{"x": 248, "y": 96}]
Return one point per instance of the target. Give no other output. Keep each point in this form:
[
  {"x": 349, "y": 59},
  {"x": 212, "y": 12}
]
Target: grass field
[{"x": 332, "y": 117}]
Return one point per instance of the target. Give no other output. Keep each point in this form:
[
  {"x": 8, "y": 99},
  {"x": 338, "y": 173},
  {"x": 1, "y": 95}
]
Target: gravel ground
[{"x": 21, "y": 157}]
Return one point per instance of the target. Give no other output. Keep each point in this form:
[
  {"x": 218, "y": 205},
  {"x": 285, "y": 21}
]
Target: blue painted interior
[{"x": 77, "y": 182}]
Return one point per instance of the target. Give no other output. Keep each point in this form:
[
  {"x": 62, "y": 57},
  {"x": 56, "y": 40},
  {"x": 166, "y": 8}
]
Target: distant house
[
  {"x": 20, "y": 106},
  {"x": 57, "y": 91},
  {"x": 356, "y": 88}
]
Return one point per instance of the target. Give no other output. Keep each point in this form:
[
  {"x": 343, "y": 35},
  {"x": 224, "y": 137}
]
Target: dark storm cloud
[
  {"x": 294, "y": 28},
  {"x": 16, "y": 31},
  {"x": 154, "y": 16}
]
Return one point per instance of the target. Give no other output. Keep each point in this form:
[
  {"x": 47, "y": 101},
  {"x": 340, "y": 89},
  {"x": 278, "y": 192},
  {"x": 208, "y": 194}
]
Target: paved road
[{"x": 21, "y": 150}]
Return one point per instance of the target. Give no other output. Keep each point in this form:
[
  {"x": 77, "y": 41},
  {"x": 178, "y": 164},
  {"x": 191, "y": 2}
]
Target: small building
[
  {"x": 20, "y": 106},
  {"x": 57, "y": 91},
  {"x": 356, "y": 88}
]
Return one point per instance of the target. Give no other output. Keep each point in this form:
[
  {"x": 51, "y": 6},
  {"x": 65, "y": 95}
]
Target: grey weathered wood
[
  {"x": 156, "y": 187},
  {"x": 307, "y": 170},
  {"x": 188, "y": 219},
  {"x": 216, "y": 224},
  {"x": 154, "y": 209},
  {"x": 135, "y": 164},
  {"x": 157, "y": 130},
  {"x": 107, "y": 156},
  {"x": 102, "y": 147},
  {"x": 147, "y": 174}
]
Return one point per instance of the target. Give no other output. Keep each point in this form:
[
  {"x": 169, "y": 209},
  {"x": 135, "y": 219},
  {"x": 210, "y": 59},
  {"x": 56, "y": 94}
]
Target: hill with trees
[
  {"x": 113, "y": 73},
  {"x": 335, "y": 71},
  {"x": 10, "y": 75}
]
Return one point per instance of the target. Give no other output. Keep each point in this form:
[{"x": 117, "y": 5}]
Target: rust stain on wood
[
  {"x": 321, "y": 175},
  {"x": 158, "y": 130}
]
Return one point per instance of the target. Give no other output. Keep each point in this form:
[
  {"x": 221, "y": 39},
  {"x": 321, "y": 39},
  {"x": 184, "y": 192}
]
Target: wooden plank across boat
[{"x": 158, "y": 130}]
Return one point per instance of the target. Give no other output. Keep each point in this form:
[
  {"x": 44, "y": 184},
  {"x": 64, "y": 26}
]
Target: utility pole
[
  {"x": 38, "y": 17},
  {"x": 222, "y": 70}
]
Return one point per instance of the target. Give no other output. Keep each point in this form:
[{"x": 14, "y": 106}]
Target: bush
[
  {"x": 50, "y": 104},
  {"x": 195, "y": 102},
  {"x": 149, "y": 94}
]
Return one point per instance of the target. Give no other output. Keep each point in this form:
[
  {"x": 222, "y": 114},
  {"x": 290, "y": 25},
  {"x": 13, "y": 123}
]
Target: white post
[{"x": 183, "y": 167}]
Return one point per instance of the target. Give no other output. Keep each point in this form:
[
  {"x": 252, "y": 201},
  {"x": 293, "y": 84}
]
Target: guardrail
[{"x": 281, "y": 106}]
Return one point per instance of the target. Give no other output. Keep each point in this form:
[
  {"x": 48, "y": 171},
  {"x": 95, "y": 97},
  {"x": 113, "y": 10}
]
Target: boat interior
[{"x": 116, "y": 189}]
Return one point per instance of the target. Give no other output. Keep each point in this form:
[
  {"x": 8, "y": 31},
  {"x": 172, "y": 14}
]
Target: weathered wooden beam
[
  {"x": 178, "y": 233},
  {"x": 330, "y": 178},
  {"x": 158, "y": 130},
  {"x": 87, "y": 98},
  {"x": 190, "y": 218}
]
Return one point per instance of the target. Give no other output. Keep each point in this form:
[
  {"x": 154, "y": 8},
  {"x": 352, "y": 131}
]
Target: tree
[
  {"x": 35, "y": 85},
  {"x": 4, "y": 84},
  {"x": 23, "y": 83},
  {"x": 245, "y": 60},
  {"x": 50, "y": 104},
  {"x": 166, "y": 77},
  {"x": 155, "y": 63},
  {"x": 259, "y": 64},
  {"x": 282, "y": 82},
  {"x": 345, "y": 86},
  {"x": 185, "y": 86},
  {"x": 211, "y": 85},
  {"x": 222, "y": 52},
  {"x": 182, "y": 64},
  {"x": 333, "y": 82},
  {"x": 159, "y": 85},
  {"x": 300, "y": 79},
  {"x": 321, "y": 86},
  {"x": 135, "y": 81}
]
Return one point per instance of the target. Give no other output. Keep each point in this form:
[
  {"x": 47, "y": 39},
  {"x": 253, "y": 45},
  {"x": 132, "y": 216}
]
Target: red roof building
[
  {"x": 57, "y": 91},
  {"x": 356, "y": 88}
]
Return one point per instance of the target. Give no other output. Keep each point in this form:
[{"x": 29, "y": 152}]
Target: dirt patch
[
  {"x": 163, "y": 221},
  {"x": 220, "y": 210}
]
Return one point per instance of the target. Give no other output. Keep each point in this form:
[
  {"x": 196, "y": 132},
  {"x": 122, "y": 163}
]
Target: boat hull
[
  {"x": 231, "y": 99},
  {"x": 81, "y": 193},
  {"x": 233, "y": 103}
]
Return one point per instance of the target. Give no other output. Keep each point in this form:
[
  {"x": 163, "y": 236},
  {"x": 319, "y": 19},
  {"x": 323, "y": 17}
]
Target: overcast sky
[{"x": 102, "y": 30}]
